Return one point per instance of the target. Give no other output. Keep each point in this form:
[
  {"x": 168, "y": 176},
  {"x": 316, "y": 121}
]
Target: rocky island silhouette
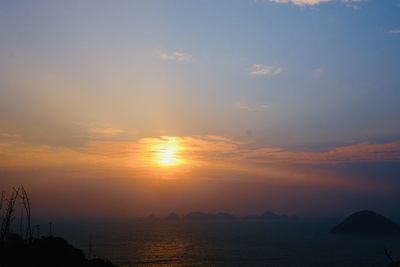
[{"x": 367, "y": 223}]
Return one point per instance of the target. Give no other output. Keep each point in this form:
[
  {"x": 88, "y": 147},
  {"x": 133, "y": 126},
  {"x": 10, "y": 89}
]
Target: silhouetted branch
[
  {"x": 17, "y": 193},
  {"x": 27, "y": 206},
  {"x": 5, "y": 225},
  {"x": 1, "y": 200}
]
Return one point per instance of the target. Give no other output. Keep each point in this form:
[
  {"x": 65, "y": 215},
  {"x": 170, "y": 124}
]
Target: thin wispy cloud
[
  {"x": 395, "y": 31},
  {"x": 10, "y": 135},
  {"x": 202, "y": 156},
  {"x": 264, "y": 70},
  {"x": 357, "y": 153},
  {"x": 354, "y": 1},
  {"x": 300, "y": 2},
  {"x": 105, "y": 131},
  {"x": 349, "y": 3},
  {"x": 317, "y": 72},
  {"x": 176, "y": 56},
  {"x": 96, "y": 131},
  {"x": 194, "y": 149},
  {"x": 250, "y": 108},
  {"x": 355, "y": 4}
]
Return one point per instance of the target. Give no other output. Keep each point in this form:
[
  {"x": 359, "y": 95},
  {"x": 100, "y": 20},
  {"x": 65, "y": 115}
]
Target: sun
[
  {"x": 168, "y": 156},
  {"x": 167, "y": 152}
]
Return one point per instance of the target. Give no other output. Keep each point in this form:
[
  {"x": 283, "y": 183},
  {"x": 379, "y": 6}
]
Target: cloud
[
  {"x": 349, "y": 3},
  {"x": 300, "y": 2},
  {"x": 10, "y": 135},
  {"x": 250, "y": 108},
  {"x": 98, "y": 130},
  {"x": 354, "y": 1},
  {"x": 264, "y": 70},
  {"x": 318, "y": 72},
  {"x": 176, "y": 56},
  {"x": 358, "y": 153},
  {"x": 104, "y": 131},
  {"x": 355, "y": 4},
  {"x": 395, "y": 31},
  {"x": 112, "y": 152},
  {"x": 204, "y": 158},
  {"x": 194, "y": 149}
]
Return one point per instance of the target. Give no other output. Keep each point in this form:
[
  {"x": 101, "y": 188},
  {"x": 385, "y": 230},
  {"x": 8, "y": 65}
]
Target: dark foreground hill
[
  {"x": 44, "y": 252},
  {"x": 366, "y": 223}
]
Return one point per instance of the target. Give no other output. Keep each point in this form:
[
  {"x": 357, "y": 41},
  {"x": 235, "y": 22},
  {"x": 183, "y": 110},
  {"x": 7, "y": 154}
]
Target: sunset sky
[{"x": 126, "y": 108}]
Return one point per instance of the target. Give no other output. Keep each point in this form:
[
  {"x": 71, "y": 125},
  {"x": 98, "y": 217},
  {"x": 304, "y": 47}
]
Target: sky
[{"x": 116, "y": 109}]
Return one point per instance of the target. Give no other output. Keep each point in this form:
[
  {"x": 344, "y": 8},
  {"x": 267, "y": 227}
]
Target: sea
[{"x": 280, "y": 243}]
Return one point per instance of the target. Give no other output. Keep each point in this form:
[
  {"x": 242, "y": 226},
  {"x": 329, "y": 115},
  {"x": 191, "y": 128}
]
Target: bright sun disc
[{"x": 167, "y": 153}]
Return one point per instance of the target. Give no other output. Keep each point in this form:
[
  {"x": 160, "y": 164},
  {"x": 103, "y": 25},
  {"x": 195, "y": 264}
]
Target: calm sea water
[{"x": 230, "y": 243}]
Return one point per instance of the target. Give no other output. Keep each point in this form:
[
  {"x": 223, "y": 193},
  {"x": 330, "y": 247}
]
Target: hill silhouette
[
  {"x": 47, "y": 251},
  {"x": 366, "y": 223},
  {"x": 270, "y": 215},
  {"x": 173, "y": 216},
  {"x": 196, "y": 215},
  {"x": 209, "y": 216}
]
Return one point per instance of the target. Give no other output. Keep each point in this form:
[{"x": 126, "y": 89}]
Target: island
[{"x": 367, "y": 223}]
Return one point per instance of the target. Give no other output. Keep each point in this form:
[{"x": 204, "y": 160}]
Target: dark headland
[
  {"x": 28, "y": 251},
  {"x": 47, "y": 251},
  {"x": 367, "y": 223},
  {"x": 173, "y": 216},
  {"x": 209, "y": 216}
]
